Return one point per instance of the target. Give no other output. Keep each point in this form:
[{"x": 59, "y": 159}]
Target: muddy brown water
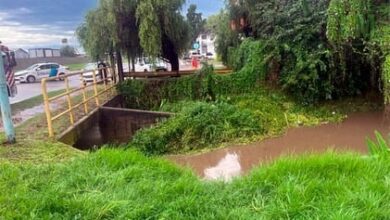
[{"x": 349, "y": 135}]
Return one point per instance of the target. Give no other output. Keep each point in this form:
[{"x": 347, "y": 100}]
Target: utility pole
[{"x": 5, "y": 105}]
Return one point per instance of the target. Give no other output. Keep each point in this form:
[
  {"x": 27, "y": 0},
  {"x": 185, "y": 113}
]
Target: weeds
[
  {"x": 380, "y": 148},
  {"x": 196, "y": 126}
]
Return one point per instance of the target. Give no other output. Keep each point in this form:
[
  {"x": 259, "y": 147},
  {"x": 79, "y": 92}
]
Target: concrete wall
[
  {"x": 110, "y": 125},
  {"x": 120, "y": 125},
  {"x": 24, "y": 63}
]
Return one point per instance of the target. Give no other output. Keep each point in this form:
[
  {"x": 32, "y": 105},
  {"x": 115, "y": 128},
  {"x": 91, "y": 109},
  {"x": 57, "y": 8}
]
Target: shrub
[
  {"x": 204, "y": 85},
  {"x": 197, "y": 126}
]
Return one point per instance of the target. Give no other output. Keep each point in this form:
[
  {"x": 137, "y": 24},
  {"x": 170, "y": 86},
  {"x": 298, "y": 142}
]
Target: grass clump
[
  {"x": 76, "y": 66},
  {"x": 196, "y": 126},
  {"x": 124, "y": 184}
]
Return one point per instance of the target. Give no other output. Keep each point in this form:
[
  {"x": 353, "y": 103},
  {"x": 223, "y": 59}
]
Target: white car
[
  {"x": 39, "y": 71},
  {"x": 145, "y": 65},
  {"x": 88, "y": 76}
]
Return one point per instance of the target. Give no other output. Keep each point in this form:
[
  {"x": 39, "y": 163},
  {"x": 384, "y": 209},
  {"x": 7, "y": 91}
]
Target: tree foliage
[
  {"x": 153, "y": 28},
  {"x": 68, "y": 51},
  {"x": 163, "y": 30},
  {"x": 96, "y": 34},
  {"x": 196, "y": 22},
  {"x": 314, "y": 49},
  {"x": 226, "y": 39}
]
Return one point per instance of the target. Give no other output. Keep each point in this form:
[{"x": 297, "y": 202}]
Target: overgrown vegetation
[
  {"x": 198, "y": 125},
  {"x": 315, "y": 50},
  {"x": 214, "y": 109}
]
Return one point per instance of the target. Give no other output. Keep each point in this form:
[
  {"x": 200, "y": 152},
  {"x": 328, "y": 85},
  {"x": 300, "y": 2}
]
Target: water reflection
[{"x": 227, "y": 168}]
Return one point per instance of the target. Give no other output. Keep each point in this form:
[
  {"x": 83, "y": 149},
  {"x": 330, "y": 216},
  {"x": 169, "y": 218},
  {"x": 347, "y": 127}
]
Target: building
[
  {"x": 21, "y": 54},
  {"x": 206, "y": 42},
  {"x": 44, "y": 53}
]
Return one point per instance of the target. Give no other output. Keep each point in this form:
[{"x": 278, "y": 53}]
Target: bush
[
  {"x": 197, "y": 126},
  {"x": 205, "y": 85}
]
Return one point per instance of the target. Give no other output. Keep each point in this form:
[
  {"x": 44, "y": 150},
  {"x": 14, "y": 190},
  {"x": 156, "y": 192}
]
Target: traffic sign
[{"x": 196, "y": 45}]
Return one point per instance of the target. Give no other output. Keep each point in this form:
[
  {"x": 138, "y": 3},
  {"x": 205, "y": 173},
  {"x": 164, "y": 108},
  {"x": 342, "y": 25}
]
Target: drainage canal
[
  {"x": 116, "y": 125},
  {"x": 110, "y": 125},
  {"x": 227, "y": 163}
]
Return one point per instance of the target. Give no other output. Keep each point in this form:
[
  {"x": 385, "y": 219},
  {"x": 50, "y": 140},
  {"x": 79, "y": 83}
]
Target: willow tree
[
  {"x": 196, "y": 22},
  {"x": 154, "y": 28},
  {"x": 163, "y": 31},
  {"x": 123, "y": 13},
  {"x": 95, "y": 35}
]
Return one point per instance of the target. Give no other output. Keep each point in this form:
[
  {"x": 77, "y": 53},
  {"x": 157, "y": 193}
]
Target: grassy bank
[
  {"x": 76, "y": 66},
  {"x": 214, "y": 111},
  {"x": 124, "y": 184},
  {"x": 32, "y": 102}
]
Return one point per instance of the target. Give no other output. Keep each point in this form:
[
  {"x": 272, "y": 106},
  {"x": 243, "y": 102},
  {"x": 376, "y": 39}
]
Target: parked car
[
  {"x": 88, "y": 76},
  {"x": 39, "y": 71},
  {"x": 145, "y": 65},
  {"x": 210, "y": 56}
]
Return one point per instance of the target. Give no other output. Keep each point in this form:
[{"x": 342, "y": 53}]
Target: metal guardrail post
[
  {"x": 5, "y": 105},
  {"x": 71, "y": 106},
  {"x": 47, "y": 108},
  {"x": 83, "y": 84},
  {"x": 95, "y": 88},
  {"x": 71, "y": 117}
]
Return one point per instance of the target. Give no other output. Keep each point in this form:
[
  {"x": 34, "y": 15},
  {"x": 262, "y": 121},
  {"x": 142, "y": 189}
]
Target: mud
[{"x": 349, "y": 135}]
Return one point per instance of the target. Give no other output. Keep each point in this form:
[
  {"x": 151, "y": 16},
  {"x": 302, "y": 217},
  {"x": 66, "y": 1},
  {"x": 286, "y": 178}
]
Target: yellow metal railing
[{"x": 101, "y": 84}]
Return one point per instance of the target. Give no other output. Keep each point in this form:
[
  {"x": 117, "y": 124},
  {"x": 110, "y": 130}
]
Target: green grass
[
  {"x": 124, "y": 184},
  {"x": 32, "y": 102},
  {"x": 76, "y": 66}
]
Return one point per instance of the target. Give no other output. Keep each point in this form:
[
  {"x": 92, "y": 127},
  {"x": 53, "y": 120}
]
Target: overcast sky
[{"x": 43, "y": 23}]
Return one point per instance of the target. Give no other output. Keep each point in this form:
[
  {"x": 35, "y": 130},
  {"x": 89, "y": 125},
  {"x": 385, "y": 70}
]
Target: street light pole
[{"x": 5, "y": 105}]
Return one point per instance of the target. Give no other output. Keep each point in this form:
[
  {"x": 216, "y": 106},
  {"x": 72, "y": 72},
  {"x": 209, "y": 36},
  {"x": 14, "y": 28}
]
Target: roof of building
[
  {"x": 42, "y": 49},
  {"x": 21, "y": 49}
]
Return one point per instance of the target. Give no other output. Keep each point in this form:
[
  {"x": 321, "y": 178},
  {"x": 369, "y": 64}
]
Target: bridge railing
[{"x": 81, "y": 99}]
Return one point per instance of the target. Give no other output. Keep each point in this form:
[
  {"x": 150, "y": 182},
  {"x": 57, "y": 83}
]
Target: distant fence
[{"x": 24, "y": 63}]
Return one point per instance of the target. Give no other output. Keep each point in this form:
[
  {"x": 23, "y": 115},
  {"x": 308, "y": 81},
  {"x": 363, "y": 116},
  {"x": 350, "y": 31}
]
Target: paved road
[{"x": 29, "y": 90}]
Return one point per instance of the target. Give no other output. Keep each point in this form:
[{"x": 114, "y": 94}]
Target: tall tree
[
  {"x": 95, "y": 35},
  {"x": 68, "y": 51},
  {"x": 153, "y": 28},
  {"x": 196, "y": 22},
  {"x": 226, "y": 37},
  {"x": 163, "y": 31}
]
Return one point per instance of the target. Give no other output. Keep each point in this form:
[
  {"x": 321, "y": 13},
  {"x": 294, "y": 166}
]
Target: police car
[{"x": 39, "y": 71}]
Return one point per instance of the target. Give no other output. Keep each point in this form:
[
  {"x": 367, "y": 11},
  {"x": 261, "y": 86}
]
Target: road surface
[{"x": 29, "y": 90}]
